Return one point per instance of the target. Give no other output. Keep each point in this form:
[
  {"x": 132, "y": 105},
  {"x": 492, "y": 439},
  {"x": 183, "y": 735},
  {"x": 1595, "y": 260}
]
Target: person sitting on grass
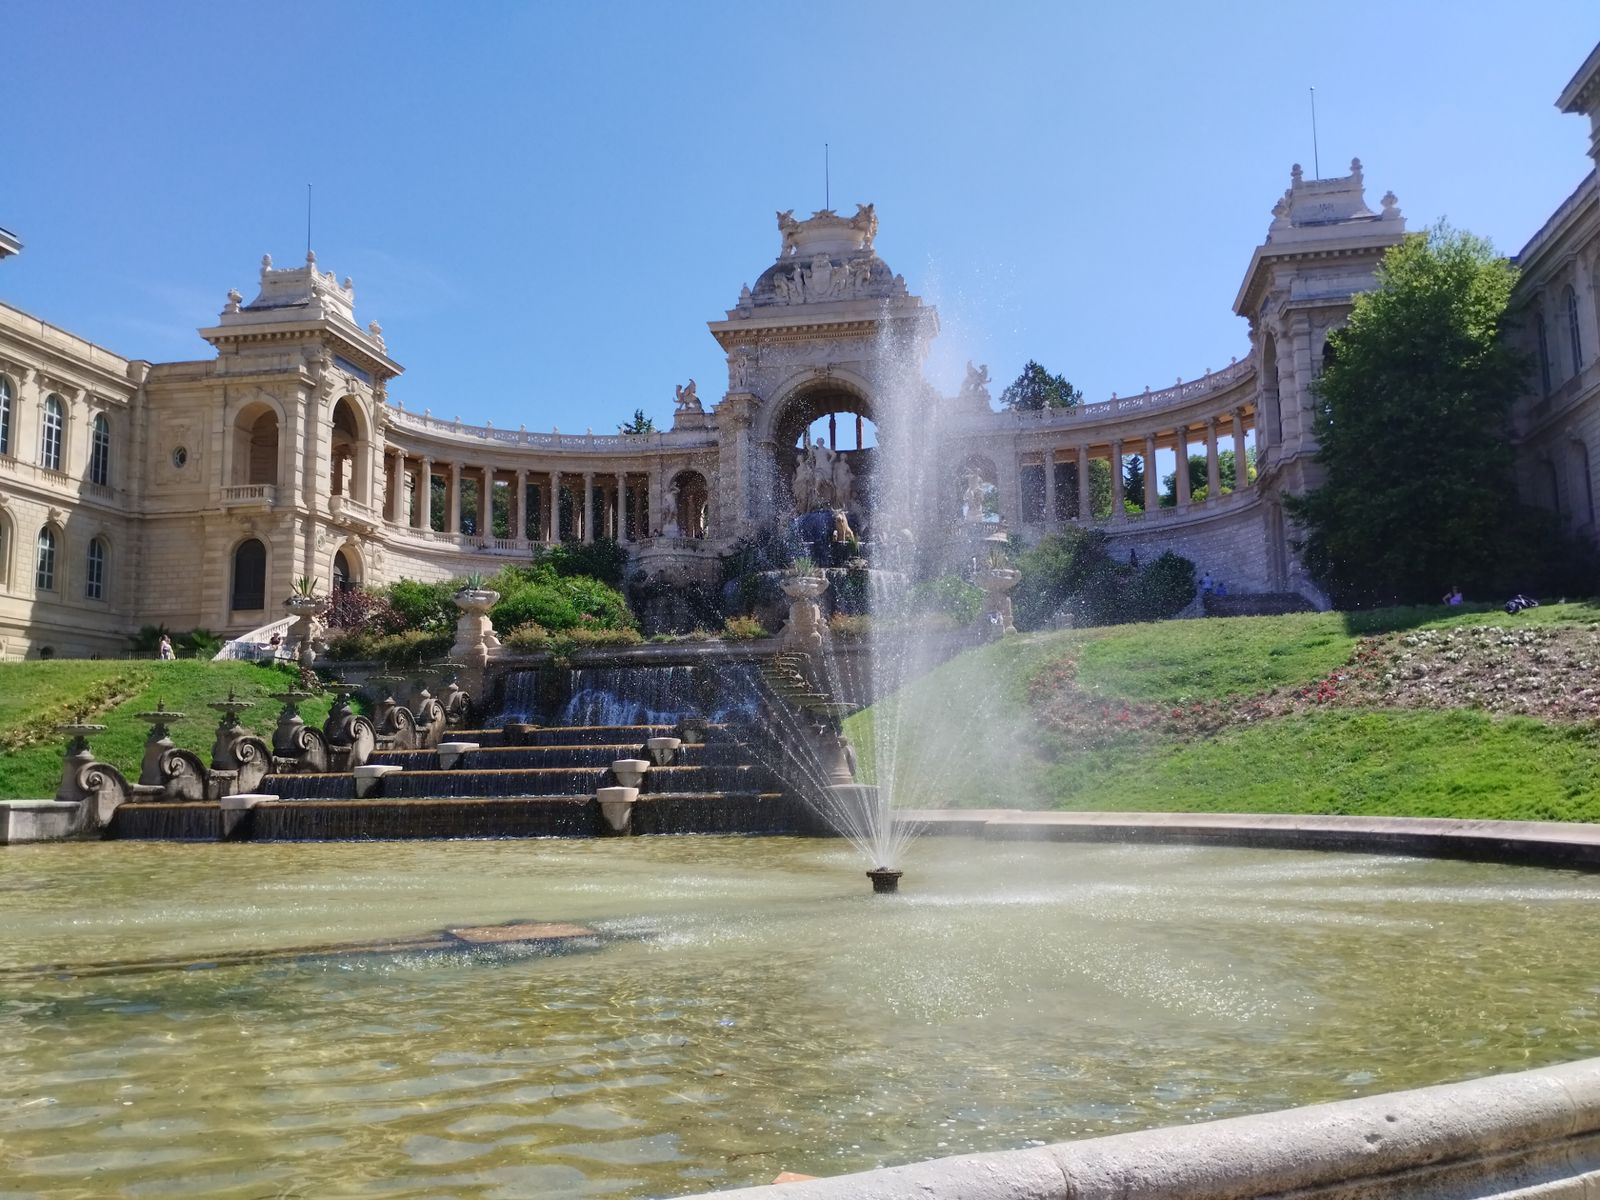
[{"x": 1453, "y": 597}]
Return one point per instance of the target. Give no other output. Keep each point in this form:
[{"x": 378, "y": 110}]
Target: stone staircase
[{"x": 520, "y": 781}]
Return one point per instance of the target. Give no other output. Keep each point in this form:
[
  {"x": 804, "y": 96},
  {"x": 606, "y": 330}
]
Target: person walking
[{"x": 165, "y": 650}]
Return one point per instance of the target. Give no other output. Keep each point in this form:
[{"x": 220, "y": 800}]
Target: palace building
[{"x": 194, "y": 493}]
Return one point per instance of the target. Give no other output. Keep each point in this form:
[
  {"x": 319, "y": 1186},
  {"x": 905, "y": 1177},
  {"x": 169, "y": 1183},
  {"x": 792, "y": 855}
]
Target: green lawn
[
  {"x": 1374, "y": 763},
  {"x": 186, "y": 685},
  {"x": 35, "y": 695},
  {"x": 963, "y": 735}
]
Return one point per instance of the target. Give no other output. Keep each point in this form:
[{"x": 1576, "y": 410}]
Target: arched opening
[
  {"x": 1542, "y": 340},
  {"x": 688, "y": 504},
  {"x": 44, "y": 577},
  {"x": 826, "y": 440},
  {"x": 5, "y": 415},
  {"x": 249, "y": 576},
  {"x": 100, "y": 451},
  {"x": 7, "y": 539},
  {"x": 1584, "y": 491},
  {"x": 52, "y": 427},
  {"x": 255, "y": 445},
  {"x": 1574, "y": 332},
  {"x": 94, "y": 575},
  {"x": 977, "y": 490},
  {"x": 1273, "y": 425},
  {"x": 346, "y": 570},
  {"x": 349, "y": 454}
]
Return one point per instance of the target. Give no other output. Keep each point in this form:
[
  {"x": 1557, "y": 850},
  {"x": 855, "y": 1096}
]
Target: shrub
[
  {"x": 1164, "y": 587},
  {"x": 950, "y": 596},
  {"x": 361, "y": 608},
  {"x": 848, "y": 626},
  {"x": 744, "y": 629},
  {"x": 408, "y": 648},
  {"x": 593, "y": 639},
  {"x": 424, "y": 605},
  {"x": 604, "y": 560},
  {"x": 528, "y": 639}
]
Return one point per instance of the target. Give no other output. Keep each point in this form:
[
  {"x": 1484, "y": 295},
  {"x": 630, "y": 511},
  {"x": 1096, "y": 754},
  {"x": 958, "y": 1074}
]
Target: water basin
[{"x": 747, "y": 1006}]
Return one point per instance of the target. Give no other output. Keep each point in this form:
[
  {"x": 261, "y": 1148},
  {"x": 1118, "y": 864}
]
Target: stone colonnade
[
  {"x": 541, "y": 504},
  {"x": 1031, "y": 494}
]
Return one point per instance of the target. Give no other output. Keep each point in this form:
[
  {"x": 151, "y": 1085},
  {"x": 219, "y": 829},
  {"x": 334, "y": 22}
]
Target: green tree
[
  {"x": 639, "y": 424},
  {"x": 1037, "y": 389},
  {"x": 1423, "y": 364},
  {"x": 1133, "y": 481}
]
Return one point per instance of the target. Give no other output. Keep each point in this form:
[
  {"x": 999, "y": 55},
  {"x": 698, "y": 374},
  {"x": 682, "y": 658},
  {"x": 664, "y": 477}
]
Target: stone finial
[
  {"x": 311, "y": 258},
  {"x": 349, "y": 284},
  {"x": 1391, "y": 207},
  {"x": 234, "y": 298},
  {"x": 266, "y": 262},
  {"x": 1355, "y": 169},
  {"x": 376, "y": 331},
  {"x": 1296, "y": 175}
]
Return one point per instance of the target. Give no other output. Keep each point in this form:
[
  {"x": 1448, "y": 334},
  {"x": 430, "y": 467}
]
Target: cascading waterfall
[{"x": 655, "y": 695}]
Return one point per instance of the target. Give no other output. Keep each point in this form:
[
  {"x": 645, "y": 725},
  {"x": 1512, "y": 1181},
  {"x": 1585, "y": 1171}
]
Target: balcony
[
  {"x": 352, "y": 514},
  {"x": 250, "y": 495}
]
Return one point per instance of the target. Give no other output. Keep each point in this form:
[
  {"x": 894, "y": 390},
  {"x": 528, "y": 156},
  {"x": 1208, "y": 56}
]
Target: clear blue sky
[{"x": 543, "y": 205}]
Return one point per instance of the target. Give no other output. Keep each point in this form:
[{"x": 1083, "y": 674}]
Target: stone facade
[
  {"x": 193, "y": 493},
  {"x": 1557, "y": 423}
]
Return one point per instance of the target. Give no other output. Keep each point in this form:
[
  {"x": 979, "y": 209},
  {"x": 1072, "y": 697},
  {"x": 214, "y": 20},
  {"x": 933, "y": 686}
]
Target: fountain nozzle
[{"x": 885, "y": 880}]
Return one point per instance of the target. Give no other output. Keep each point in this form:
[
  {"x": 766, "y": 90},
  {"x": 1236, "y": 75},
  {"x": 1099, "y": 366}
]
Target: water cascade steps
[{"x": 517, "y": 781}]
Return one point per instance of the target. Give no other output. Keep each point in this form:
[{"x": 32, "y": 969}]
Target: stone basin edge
[{"x": 1525, "y": 1134}]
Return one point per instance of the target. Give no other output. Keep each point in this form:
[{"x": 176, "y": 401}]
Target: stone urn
[
  {"x": 663, "y": 749},
  {"x": 476, "y": 642},
  {"x": 630, "y": 772},
  {"x": 805, "y": 632},
  {"x": 78, "y": 756},
  {"x": 305, "y": 609},
  {"x": 996, "y": 582},
  {"x": 616, "y": 806}
]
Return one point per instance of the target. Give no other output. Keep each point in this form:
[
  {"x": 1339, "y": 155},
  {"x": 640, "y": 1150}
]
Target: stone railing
[
  {"x": 1532, "y": 1133},
  {"x": 1182, "y": 392},
  {"x": 353, "y": 512},
  {"x": 610, "y": 443},
  {"x": 254, "y": 495}
]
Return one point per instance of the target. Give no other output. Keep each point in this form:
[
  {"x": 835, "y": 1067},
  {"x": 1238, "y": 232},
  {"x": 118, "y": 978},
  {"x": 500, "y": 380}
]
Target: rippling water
[{"x": 748, "y": 1007}]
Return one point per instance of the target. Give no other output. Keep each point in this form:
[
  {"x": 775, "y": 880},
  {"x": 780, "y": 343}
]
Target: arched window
[
  {"x": 1574, "y": 331},
  {"x": 50, "y": 433},
  {"x": 250, "y": 576},
  {"x": 5, "y": 552},
  {"x": 94, "y": 578},
  {"x": 343, "y": 579},
  {"x": 100, "y": 451},
  {"x": 5, "y": 415},
  {"x": 45, "y": 577},
  {"x": 1581, "y": 465},
  {"x": 1544, "y": 353}
]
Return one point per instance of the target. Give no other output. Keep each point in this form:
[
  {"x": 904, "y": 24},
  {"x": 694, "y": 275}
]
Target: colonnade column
[
  {"x": 588, "y": 506},
  {"x": 552, "y": 529},
  {"x": 520, "y": 530},
  {"x": 1152, "y": 481},
  {"x": 1241, "y": 473},
  {"x": 1049, "y": 513},
  {"x": 425, "y": 500},
  {"x": 622, "y": 506},
  {"x": 1084, "y": 515},
  {"x": 1183, "y": 467},
  {"x": 1117, "y": 507},
  {"x": 453, "y": 510},
  {"x": 1213, "y": 463}
]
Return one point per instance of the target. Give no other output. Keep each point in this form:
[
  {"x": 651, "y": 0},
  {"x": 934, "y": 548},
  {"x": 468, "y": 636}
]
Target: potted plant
[{"x": 303, "y": 599}]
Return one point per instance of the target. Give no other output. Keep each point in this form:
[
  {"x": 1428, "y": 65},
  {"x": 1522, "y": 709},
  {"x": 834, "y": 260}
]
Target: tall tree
[
  {"x": 1421, "y": 374},
  {"x": 1133, "y": 481},
  {"x": 1036, "y": 389}
]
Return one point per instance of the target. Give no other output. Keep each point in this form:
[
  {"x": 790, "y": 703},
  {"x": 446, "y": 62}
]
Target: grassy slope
[
  {"x": 186, "y": 686},
  {"x": 966, "y": 739}
]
